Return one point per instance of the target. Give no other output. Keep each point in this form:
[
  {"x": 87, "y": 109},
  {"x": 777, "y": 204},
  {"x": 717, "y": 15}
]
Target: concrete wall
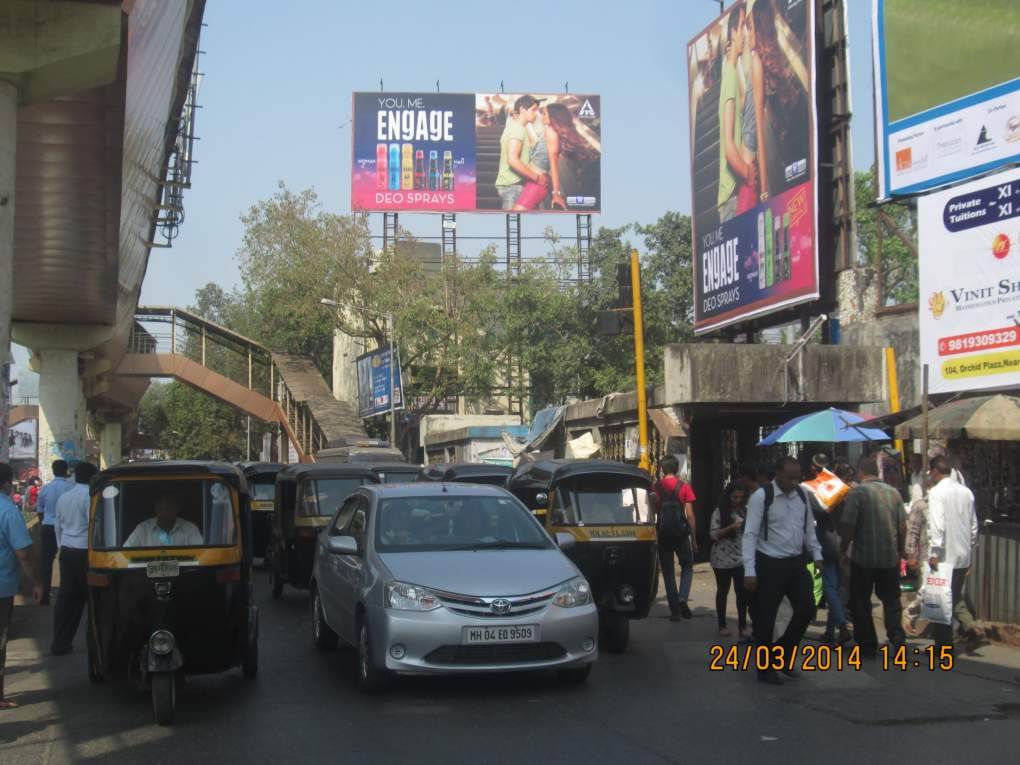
[
  {"x": 900, "y": 331},
  {"x": 433, "y": 423}
]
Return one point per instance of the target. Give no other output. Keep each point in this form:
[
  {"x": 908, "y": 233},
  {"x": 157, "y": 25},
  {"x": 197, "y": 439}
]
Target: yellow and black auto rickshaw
[
  {"x": 169, "y": 575},
  {"x": 262, "y": 485},
  {"x": 307, "y": 497},
  {"x": 604, "y": 506},
  {"x": 466, "y": 472}
]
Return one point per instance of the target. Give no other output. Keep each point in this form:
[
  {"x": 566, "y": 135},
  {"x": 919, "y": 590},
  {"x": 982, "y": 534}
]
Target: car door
[
  {"x": 328, "y": 569},
  {"x": 349, "y": 568}
]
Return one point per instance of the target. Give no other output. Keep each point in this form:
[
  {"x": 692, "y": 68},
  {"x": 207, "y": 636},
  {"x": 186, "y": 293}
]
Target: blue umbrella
[{"x": 827, "y": 427}]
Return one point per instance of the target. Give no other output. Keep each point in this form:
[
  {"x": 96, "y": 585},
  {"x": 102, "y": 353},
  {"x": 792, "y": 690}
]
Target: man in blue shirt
[
  {"x": 72, "y": 528},
  {"x": 47, "y": 508},
  {"x": 15, "y": 556}
]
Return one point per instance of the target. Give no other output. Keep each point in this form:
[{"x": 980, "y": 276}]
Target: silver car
[{"x": 449, "y": 578}]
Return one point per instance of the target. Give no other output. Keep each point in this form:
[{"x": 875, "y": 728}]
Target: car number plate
[
  {"x": 507, "y": 633},
  {"x": 161, "y": 569}
]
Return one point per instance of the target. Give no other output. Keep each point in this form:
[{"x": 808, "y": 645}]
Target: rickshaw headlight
[
  {"x": 576, "y": 592},
  {"x": 161, "y": 643},
  {"x": 410, "y": 597}
]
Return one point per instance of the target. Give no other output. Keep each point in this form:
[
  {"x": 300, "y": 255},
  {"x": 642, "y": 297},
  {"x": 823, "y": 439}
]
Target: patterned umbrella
[
  {"x": 985, "y": 418},
  {"x": 828, "y": 426}
]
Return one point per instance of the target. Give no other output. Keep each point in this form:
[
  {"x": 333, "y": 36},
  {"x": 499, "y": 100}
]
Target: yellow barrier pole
[
  {"x": 894, "y": 394},
  {"x": 639, "y": 362}
]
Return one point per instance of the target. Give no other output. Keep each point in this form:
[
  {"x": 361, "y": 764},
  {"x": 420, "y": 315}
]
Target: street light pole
[{"x": 393, "y": 398}]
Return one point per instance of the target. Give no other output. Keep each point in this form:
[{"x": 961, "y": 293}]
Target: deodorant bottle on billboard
[
  {"x": 769, "y": 254},
  {"x": 394, "y": 167},
  {"x": 447, "y": 171},
  {"x": 419, "y": 169},
  {"x": 433, "y": 169},
  {"x": 382, "y": 178},
  {"x": 761, "y": 250},
  {"x": 780, "y": 248},
  {"x": 787, "y": 265},
  {"x": 407, "y": 167}
]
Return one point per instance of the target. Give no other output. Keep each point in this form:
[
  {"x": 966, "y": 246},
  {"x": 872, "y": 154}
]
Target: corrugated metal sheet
[{"x": 994, "y": 582}]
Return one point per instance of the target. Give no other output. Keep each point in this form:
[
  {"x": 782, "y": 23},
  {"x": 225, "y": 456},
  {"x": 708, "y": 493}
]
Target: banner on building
[
  {"x": 947, "y": 91},
  {"x": 23, "y": 440},
  {"x": 753, "y": 162},
  {"x": 969, "y": 240},
  {"x": 471, "y": 152},
  {"x": 374, "y": 383}
]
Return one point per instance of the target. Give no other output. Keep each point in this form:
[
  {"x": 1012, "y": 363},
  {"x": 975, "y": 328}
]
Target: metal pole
[
  {"x": 894, "y": 392},
  {"x": 203, "y": 345},
  {"x": 393, "y": 361},
  {"x": 639, "y": 362},
  {"x": 924, "y": 420},
  {"x": 173, "y": 331},
  {"x": 247, "y": 445}
]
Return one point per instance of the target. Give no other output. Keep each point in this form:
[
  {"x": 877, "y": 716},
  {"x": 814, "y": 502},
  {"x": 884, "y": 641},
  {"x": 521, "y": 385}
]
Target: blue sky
[{"x": 279, "y": 78}]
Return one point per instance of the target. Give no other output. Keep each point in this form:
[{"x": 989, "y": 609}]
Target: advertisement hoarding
[
  {"x": 374, "y": 383},
  {"x": 947, "y": 91},
  {"x": 22, "y": 439},
  {"x": 753, "y": 162},
  {"x": 969, "y": 241},
  {"x": 476, "y": 152}
]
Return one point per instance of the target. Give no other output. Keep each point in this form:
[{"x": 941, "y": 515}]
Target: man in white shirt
[
  {"x": 778, "y": 538},
  {"x": 71, "y": 525},
  {"x": 952, "y": 534},
  {"x": 166, "y": 529}
]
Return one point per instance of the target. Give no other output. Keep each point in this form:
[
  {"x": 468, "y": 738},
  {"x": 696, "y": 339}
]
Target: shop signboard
[
  {"x": 753, "y": 162},
  {"x": 947, "y": 91},
  {"x": 969, "y": 242}
]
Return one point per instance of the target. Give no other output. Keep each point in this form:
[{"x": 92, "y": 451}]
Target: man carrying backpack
[
  {"x": 675, "y": 528},
  {"x": 779, "y": 540}
]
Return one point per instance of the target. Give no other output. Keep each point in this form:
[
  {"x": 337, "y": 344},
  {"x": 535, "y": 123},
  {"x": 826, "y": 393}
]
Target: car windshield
[
  {"x": 601, "y": 503},
  {"x": 324, "y": 496},
  {"x": 263, "y": 491},
  {"x": 178, "y": 513},
  {"x": 456, "y": 522}
]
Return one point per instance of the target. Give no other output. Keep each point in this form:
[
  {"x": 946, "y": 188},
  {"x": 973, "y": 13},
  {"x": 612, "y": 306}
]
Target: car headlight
[
  {"x": 576, "y": 592},
  {"x": 410, "y": 597},
  {"x": 161, "y": 643}
]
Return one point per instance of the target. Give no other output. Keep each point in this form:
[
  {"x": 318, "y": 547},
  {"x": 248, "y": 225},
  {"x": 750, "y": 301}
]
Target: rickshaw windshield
[
  {"x": 263, "y": 491},
  {"x": 601, "y": 503},
  {"x": 183, "y": 513},
  {"x": 325, "y": 495}
]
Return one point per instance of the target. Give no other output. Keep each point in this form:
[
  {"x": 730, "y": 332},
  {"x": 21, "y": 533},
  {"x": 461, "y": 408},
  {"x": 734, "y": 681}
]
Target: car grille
[
  {"x": 520, "y": 605},
  {"x": 512, "y": 653}
]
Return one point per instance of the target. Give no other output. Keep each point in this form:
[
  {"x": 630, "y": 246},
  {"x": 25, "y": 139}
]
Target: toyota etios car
[{"x": 449, "y": 578}]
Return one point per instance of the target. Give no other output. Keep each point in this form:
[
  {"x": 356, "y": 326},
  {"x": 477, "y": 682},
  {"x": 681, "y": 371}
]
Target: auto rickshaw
[
  {"x": 604, "y": 506},
  {"x": 169, "y": 576},
  {"x": 394, "y": 472},
  {"x": 307, "y": 497},
  {"x": 466, "y": 472},
  {"x": 349, "y": 449},
  {"x": 262, "y": 485}
]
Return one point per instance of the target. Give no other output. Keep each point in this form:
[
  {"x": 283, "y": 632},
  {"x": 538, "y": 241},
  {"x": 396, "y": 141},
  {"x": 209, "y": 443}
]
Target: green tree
[{"x": 898, "y": 260}]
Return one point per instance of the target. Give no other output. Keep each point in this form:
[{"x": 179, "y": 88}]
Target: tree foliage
[{"x": 898, "y": 261}]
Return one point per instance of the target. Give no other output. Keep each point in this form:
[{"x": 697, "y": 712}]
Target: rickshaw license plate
[
  {"x": 161, "y": 569},
  {"x": 509, "y": 633}
]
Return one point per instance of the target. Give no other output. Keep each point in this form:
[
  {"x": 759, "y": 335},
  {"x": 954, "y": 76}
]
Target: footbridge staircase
[{"x": 277, "y": 388}]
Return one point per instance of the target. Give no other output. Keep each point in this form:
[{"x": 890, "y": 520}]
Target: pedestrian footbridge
[{"x": 278, "y": 388}]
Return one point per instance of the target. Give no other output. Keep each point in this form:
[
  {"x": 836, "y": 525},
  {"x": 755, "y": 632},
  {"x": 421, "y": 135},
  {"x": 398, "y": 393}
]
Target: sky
[{"x": 276, "y": 105}]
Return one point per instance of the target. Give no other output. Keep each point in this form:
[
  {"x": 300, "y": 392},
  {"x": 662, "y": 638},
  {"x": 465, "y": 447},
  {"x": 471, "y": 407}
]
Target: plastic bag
[
  {"x": 937, "y": 595},
  {"x": 828, "y": 489}
]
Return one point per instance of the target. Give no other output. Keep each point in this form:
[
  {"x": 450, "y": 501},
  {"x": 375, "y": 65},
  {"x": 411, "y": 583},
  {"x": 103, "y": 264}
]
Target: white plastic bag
[{"x": 937, "y": 595}]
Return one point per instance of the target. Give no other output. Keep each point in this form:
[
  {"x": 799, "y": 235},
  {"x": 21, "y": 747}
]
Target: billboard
[
  {"x": 476, "y": 152},
  {"x": 753, "y": 168},
  {"x": 969, "y": 241},
  {"x": 22, "y": 440},
  {"x": 947, "y": 90},
  {"x": 374, "y": 383}
]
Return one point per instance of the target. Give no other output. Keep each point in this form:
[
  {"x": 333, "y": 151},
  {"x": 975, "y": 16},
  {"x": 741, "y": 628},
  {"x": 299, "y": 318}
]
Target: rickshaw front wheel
[
  {"x": 275, "y": 581},
  {"x": 616, "y": 632},
  {"x": 164, "y": 697},
  {"x": 250, "y": 659}
]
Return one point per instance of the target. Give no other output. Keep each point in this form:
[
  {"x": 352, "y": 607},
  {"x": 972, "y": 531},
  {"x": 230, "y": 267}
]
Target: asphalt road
[{"x": 657, "y": 703}]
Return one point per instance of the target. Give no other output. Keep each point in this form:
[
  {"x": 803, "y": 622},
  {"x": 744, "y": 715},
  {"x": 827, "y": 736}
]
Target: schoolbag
[
  {"x": 672, "y": 517},
  {"x": 770, "y": 496}
]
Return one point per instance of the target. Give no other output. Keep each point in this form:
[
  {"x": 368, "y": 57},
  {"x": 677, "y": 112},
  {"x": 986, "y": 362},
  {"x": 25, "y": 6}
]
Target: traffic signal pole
[{"x": 639, "y": 363}]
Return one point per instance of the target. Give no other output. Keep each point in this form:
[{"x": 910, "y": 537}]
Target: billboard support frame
[
  {"x": 583, "y": 248},
  {"x": 391, "y": 228}
]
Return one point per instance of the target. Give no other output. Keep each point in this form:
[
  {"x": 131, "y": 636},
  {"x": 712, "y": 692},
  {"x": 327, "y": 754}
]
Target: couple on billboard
[
  {"x": 753, "y": 67},
  {"x": 542, "y": 157}
]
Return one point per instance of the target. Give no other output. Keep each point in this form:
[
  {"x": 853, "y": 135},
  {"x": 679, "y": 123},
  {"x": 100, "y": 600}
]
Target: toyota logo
[{"x": 500, "y": 606}]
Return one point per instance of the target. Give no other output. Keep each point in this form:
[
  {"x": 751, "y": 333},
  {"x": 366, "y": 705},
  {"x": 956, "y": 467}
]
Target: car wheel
[
  {"x": 164, "y": 697},
  {"x": 575, "y": 675},
  {"x": 323, "y": 637},
  {"x": 250, "y": 660},
  {"x": 617, "y": 632},
  {"x": 370, "y": 677}
]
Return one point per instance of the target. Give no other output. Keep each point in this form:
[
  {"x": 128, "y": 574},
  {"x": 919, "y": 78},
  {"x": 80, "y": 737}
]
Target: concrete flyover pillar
[
  {"x": 8, "y": 138},
  {"x": 110, "y": 446},
  {"x": 61, "y": 409}
]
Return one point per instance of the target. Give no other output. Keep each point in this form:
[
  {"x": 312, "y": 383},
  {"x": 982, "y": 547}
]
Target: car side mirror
[
  {"x": 564, "y": 540},
  {"x": 342, "y": 545}
]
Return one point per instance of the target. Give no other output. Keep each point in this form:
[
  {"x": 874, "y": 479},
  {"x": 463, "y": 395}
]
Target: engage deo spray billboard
[
  {"x": 752, "y": 107},
  {"x": 471, "y": 152}
]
